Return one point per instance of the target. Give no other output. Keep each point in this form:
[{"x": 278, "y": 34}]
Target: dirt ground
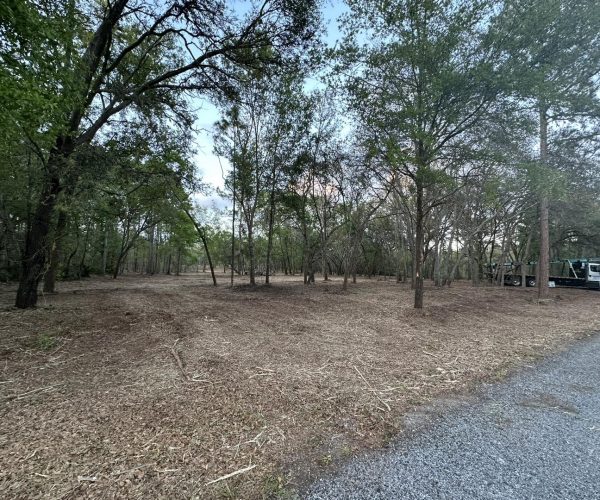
[{"x": 153, "y": 387}]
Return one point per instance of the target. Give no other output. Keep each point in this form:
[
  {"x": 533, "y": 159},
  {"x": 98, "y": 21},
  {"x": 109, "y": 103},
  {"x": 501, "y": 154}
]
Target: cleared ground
[
  {"x": 535, "y": 436},
  {"x": 153, "y": 387}
]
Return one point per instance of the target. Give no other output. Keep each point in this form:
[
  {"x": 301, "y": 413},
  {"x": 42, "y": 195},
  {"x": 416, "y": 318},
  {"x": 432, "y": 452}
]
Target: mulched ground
[{"x": 153, "y": 387}]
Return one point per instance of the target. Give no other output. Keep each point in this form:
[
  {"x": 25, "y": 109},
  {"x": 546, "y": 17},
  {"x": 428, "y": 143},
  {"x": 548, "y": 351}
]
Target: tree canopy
[{"x": 435, "y": 139}]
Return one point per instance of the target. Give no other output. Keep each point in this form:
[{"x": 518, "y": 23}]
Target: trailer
[{"x": 579, "y": 273}]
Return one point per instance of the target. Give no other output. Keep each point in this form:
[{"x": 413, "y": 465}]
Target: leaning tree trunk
[
  {"x": 204, "y": 240},
  {"x": 544, "y": 260},
  {"x": 119, "y": 259},
  {"x": 33, "y": 258}
]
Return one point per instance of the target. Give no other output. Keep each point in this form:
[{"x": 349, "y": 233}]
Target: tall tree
[
  {"x": 552, "y": 50},
  {"x": 135, "y": 56},
  {"x": 423, "y": 80}
]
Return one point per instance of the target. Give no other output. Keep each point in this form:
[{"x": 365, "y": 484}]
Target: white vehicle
[{"x": 592, "y": 278}]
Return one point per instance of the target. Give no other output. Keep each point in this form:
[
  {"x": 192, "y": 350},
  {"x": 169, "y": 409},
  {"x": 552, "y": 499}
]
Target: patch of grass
[
  {"x": 45, "y": 342},
  {"x": 277, "y": 487},
  {"x": 346, "y": 451},
  {"x": 225, "y": 491},
  {"x": 390, "y": 433}
]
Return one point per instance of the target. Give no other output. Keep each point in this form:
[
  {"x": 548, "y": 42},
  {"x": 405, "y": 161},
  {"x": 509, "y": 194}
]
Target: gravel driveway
[{"x": 534, "y": 436}]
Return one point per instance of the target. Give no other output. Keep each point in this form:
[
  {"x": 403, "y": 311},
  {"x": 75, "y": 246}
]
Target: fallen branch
[
  {"x": 178, "y": 359},
  {"x": 375, "y": 391},
  {"x": 90, "y": 479},
  {"x": 255, "y": 440},
  {"x": 231, "y": 474},
  {"x": 34, "y": 391}
]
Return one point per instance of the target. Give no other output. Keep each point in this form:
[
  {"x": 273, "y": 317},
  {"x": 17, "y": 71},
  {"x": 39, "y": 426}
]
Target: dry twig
[
  {"x": 231, "y": 474},
  {"x": 375, "y": 391},
  {"x": 178, "y": 359},
  {"x": 29, "y": 393}
]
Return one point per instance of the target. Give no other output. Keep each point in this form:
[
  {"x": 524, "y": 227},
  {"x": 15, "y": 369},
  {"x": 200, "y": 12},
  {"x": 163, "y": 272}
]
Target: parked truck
[{"x": 581, "y": 273}]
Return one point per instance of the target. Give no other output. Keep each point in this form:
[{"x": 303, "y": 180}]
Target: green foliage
[
  {"x": 45, "y": 342},
  {"x": 423, "y": 81},
  {"x": 551, "y": 49},
  {"x": 438, "y": 95}
]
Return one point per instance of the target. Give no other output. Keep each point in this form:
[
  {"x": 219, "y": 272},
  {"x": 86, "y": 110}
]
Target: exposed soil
[{"x": 292, "y": 380}]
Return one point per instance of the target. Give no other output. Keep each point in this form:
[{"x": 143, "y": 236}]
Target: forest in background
[{"x": 443, "y": 136}]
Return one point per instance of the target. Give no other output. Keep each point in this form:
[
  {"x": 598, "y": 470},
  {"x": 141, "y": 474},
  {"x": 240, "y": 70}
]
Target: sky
[{"x": 210, "y": 168}]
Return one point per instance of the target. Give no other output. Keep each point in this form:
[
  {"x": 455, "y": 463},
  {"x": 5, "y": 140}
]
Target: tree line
[{"x": 442, "y": 137}]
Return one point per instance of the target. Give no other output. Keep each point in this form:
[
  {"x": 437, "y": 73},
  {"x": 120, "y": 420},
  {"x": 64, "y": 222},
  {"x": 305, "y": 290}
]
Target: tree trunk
[
  {"x": 305, "y": 251},
  {"x": 168, "y": 266},
  {"x": 34, "y": 254},
  {"x": 446, "y": 273},
  {"x": 233, "y": 194},
  {"x": 349, "y": 264},
  {"x": 544, "y": 260},
  {"x": 270, "y": 230},
  {"x": 346, "y": 275},
  {"x": 157, "y": 242},
  {"x": 67, "y": 270},
  {"x": 136, "y": 258},
  {"x": 436, "y": 262},
  {"x": 84, "y": 255},
  {"x": 151, "y": 250},
  {"x": 418, "y": 260},
  {"x": 399, "y": 261},
  {"x": 290, "y": 258},
  {"x": 210, "y": 263},
  {"x": 105, "y": 250},
  {"x": 123, "y": 251},
  {"x": 524, "y": 260},
  {"x": 251, "y": 254},
  {"x": 241, "y": 265},
  {"x": 324, "y": 257},
  {"x": 204, "y": 240},
  {"x": 59, "y": 232},
  {"x": 500, "y": 267}
]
